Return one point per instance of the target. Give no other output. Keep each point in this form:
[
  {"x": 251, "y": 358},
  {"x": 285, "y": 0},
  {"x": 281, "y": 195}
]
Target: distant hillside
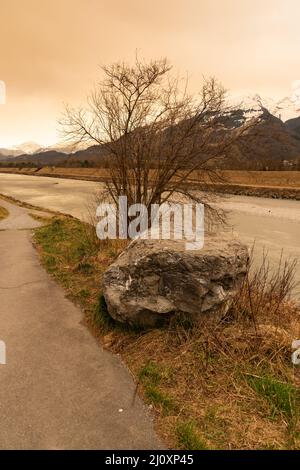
[
  {"x": 273, "y": 144},
  {"x": 97, "y": 155},
  {"x": 25, "y": 148},
  {"x": 32, "y": 148},
  {"x": 294, "y": 125},
  {"x": 4, "y": 153},
  {"x": 50, "y": 157}
]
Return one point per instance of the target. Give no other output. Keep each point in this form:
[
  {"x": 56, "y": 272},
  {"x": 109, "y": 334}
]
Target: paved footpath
[{"x": 58, "y": 389}]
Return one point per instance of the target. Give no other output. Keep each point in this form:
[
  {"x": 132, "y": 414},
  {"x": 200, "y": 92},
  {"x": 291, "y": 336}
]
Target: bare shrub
[
  {"x": 265, "y": 293},
  {"x": 155, "y": 133}
]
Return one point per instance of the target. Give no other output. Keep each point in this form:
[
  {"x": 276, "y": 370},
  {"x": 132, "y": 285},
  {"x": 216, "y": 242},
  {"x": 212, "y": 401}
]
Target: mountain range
[
  {"x": 275, "y": 144},
  {"x": 285, "y": 109},
  {"x": 30, "y": 148}
]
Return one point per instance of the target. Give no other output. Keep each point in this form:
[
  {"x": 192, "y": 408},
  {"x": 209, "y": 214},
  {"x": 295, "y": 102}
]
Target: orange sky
[{"x": 50, "y": 50}]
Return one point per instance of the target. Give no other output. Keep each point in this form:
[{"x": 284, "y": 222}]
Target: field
[
  {"x": 280, "y": 179},
  {"x": 288, "y": 179}
]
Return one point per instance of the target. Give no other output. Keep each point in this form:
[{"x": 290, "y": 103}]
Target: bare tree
[{"x": 156, "y": 134}]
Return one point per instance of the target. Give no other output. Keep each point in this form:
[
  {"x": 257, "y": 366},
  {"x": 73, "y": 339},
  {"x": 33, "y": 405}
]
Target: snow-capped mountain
[
  {"x": 31, "y": 148},
  {"x": 65, "y": 148},
  {"x": 273, "y": 144},
  {"x": 28, "y": 148},
  {"x": 284, "y": 109}
]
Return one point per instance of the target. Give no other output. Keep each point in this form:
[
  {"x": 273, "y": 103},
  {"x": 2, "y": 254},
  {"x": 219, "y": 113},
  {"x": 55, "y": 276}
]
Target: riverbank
[
  {"x": 229, "y": 385},
  {"x": 272, "y": 224},
  {"x": 269, "y": 184},
  {"x": 212, "y": 385}
]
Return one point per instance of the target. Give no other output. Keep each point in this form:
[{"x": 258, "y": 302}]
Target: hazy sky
[{"x": 50, "y": 50}]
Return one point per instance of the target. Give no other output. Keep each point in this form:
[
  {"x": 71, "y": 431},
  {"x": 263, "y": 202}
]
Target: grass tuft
[
  {"x": 282, "y": 397},
  {"x": 160, "y": 399},
  {"x": 150, "y": 373},
  {"x": 188, "y": 437}
]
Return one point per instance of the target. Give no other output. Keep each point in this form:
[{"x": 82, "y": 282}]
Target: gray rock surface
[{"x": 154, "y": 279}]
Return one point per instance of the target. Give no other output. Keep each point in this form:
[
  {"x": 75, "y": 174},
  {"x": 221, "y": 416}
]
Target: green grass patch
[
  {"x": 151, "y": 376},
  {"x": 150, "y": 373},
  {"x": 283, "y": 398},
  {"x": 160, "y": 399},
  {"x": 67, "y": 238},
  {"x": 189, "y": 438},
  {"x": 69, "y": 251}
]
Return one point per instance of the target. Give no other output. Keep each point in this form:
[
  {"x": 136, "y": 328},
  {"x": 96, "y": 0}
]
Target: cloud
[
  {"x": 2, "y": 92},
  {"x": 50, "y": 50},
  {"x": 296, "y": 91}
]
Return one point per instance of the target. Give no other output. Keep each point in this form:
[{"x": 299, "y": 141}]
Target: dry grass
[
  {"x": 205, "y": 373},
  {"x": 3, "y": 213},
  {"x": 288, "y": 179},
  {"x": 225, "y": 384},
  {"x": 72, "y": 253},
  {"x": 279, "y": 179}
]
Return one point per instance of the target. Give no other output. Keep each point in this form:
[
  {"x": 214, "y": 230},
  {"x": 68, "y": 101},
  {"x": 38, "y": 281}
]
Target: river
[{"x": 273, "y": 225}]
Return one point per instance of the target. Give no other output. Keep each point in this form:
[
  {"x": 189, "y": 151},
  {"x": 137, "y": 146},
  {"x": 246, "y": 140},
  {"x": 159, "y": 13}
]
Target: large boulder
[{"x": 152, "y": 280}]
